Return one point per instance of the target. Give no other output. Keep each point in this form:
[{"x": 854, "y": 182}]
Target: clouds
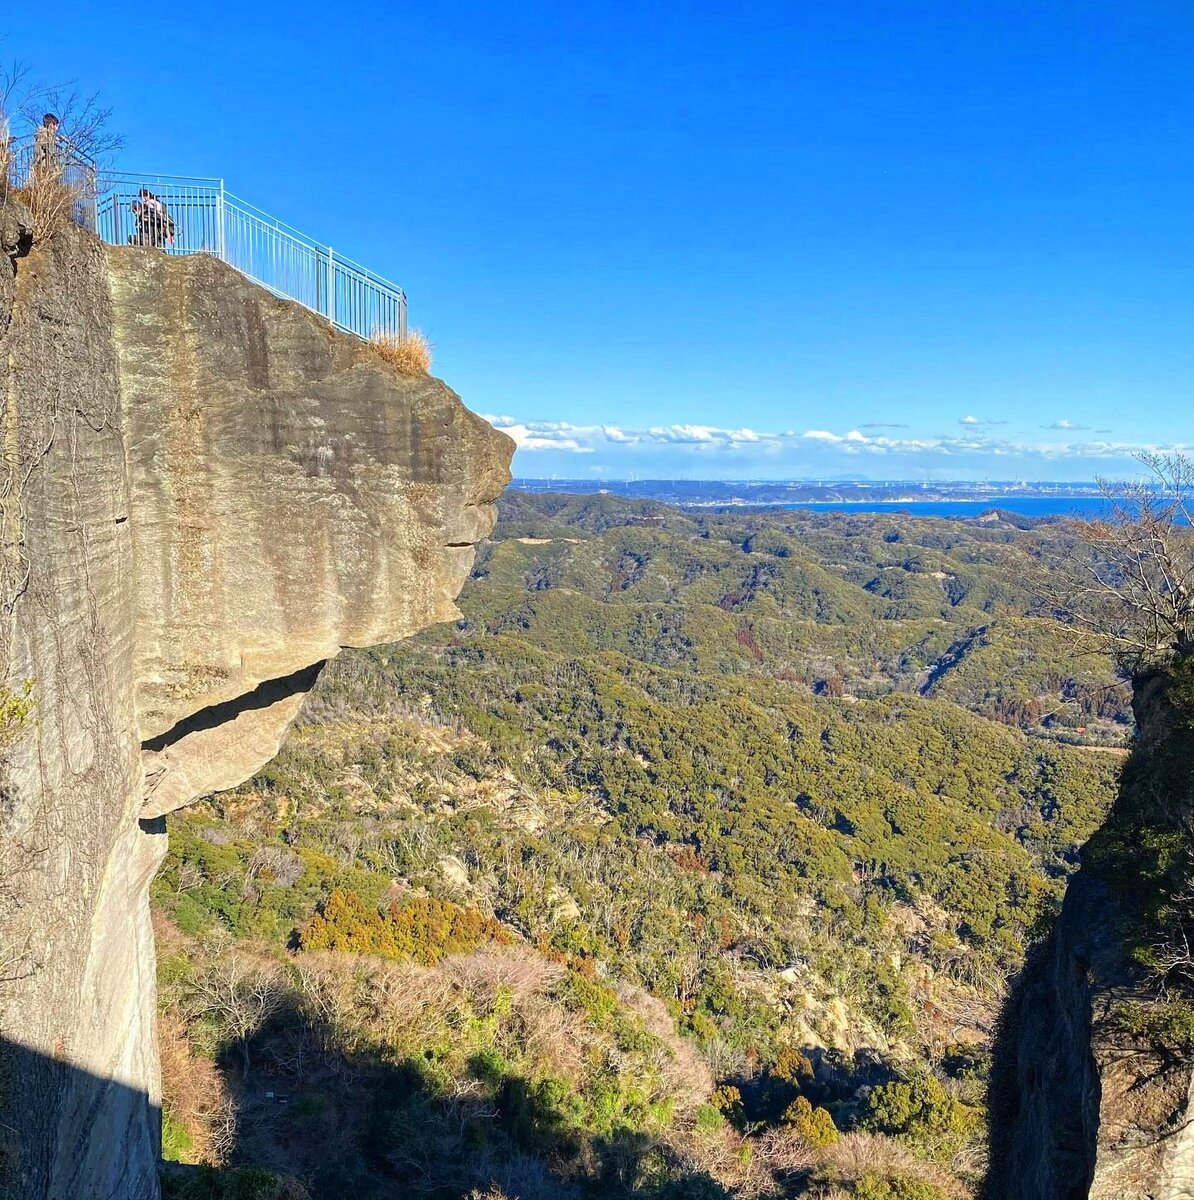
[
  {"x": 533, "y": 436},
  {"x": 712, "y": 449},
  {"x": 585, "y": 439},
  {"x": 1067, "y": 425},
  {"x": 694, "y": 435}
]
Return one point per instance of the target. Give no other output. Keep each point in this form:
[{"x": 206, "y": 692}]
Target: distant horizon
[
  {"x": 813, "y": 481},
  {"x": 964, "y": 499},
  {"x": 976, "y": 451}
]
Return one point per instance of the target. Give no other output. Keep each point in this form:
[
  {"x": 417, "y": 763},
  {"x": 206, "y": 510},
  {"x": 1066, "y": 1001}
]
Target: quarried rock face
[{"x": 208, "y": 493}]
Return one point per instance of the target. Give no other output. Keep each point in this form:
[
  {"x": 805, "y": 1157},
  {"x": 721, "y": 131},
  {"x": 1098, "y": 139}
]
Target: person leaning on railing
[{"x": 155, "y": 227}]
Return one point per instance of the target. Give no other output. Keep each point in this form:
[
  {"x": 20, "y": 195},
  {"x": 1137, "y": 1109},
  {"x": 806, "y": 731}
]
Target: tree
[
  {"x": 1130, "y": 591},
  {"x": 239, "y": 993},
  {"x": 920, "y": 1112}
]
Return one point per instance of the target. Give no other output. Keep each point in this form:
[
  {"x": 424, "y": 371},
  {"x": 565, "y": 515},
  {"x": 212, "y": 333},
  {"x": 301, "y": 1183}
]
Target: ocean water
[{"x": 1028, "y": 506}]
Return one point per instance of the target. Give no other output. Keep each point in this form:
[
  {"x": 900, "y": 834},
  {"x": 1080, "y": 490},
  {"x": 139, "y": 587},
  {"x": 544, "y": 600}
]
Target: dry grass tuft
[
  {"x": 410, "y": 354},
  {"x": 53, "y": 200},
  {"x": 856, "y": 1155}
]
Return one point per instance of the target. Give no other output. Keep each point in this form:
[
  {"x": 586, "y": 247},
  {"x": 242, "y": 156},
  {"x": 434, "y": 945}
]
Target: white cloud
[
  {"x": 1064, "y": 424},
  {"x": 543, "y": 436},
  {"x": 739, "y": 445}
]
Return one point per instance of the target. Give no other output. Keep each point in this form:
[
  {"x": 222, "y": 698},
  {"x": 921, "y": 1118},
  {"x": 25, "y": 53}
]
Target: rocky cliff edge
[
  {"x": 1092, "y": 1091},
  {"x": 207, "y": 494}
]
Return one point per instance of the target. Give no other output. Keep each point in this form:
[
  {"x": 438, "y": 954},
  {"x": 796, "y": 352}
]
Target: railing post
[
  {"x": 331, "y": 287},
  {"x": 93, "y": 195},
  {"x": 220, "y": 235}
]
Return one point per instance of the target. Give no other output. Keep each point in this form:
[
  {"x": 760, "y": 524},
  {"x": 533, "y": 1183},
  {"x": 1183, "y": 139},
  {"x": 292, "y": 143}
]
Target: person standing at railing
[
  {"x": 7, "y": 157},
  {"x": 155, "y": 227},
  {"x": 47, "y": 152}
]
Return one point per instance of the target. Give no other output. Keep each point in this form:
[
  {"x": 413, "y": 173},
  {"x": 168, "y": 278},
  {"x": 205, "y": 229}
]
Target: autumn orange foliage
[{"x": 421, "y": 928}]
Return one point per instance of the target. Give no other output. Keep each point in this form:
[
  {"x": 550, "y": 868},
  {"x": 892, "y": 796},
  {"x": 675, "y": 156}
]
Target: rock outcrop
[
  {"x": 207, "y": 493},
  {"x": 1091, "y": 1093}
]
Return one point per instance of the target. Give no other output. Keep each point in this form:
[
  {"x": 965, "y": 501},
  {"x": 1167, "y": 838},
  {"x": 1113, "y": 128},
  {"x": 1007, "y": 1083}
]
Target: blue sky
[{"x": 892, "y": 240}]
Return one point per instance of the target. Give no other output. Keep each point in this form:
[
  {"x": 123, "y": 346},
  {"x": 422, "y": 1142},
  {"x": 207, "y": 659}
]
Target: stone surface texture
[{"x": 207, "y": 494}]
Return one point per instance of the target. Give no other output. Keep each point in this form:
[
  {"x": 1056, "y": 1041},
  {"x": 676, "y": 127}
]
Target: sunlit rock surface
[{"x": 208, "y": 493}]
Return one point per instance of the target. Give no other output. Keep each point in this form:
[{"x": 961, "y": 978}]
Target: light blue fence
[{"x": 202, "y": 217}]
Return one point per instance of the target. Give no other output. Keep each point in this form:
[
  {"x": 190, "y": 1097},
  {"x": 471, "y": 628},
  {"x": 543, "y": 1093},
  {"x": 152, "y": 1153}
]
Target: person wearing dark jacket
[{"x": 154, "y": 226}]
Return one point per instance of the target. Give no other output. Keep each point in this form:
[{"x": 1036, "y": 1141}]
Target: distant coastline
[
  {"x": 991, "y": 502},
  {"x": 971, "y": 509},
  {"x": 957, "y": 499}
]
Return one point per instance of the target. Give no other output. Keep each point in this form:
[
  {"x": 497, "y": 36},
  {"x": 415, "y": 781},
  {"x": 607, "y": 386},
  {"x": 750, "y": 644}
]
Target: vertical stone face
[
  {"x": 1081, "y": 1108},
  {"x": 208, "y": 494},
  {"x": 289, "y": 492},
  {"x": 76, "y": 863}
]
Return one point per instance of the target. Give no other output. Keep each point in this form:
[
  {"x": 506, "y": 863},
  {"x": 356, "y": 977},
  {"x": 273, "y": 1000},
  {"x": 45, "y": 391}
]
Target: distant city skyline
[{"x": 788, "y": 240}]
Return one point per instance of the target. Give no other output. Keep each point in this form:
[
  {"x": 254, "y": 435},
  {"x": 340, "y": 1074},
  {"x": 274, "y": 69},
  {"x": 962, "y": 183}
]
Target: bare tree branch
[{"x": 1126, "y": 589}]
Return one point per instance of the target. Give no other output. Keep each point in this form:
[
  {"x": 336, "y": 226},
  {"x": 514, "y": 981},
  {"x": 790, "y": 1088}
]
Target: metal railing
[{"x": 200, "y": 216}]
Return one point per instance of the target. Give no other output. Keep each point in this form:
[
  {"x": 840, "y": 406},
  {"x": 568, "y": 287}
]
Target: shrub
[
  {"x": 15, "y": 711},
  {"x": 410, "y": 354},
  {"x": 709, "y": 1119},
  {"x": 421, "y": 928},
  {"x": 919, "y": 1112},
  {"x": 177, "y": 1143},
  {"x": 812, "y": 1125},
  {"x": 895, "y": 1187},
  {"x": 868, "y": 1167},
  {"x": 239, "y": 1183},
  {"x": 727, "y": 1099},
  {"x": 1166, "y": 1026},
  {"x": 792, "y": 1066},
  {"x": 193, "y": 1091}
]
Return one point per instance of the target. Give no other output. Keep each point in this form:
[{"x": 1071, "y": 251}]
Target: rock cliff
[
  {"x": 1091, "y": 1093},
  {"x": 207, "y": 493}
]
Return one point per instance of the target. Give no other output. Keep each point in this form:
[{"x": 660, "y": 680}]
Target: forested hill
[
  {"x": 855, "y": 604},
  {"x": 764, "y": 807}
]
